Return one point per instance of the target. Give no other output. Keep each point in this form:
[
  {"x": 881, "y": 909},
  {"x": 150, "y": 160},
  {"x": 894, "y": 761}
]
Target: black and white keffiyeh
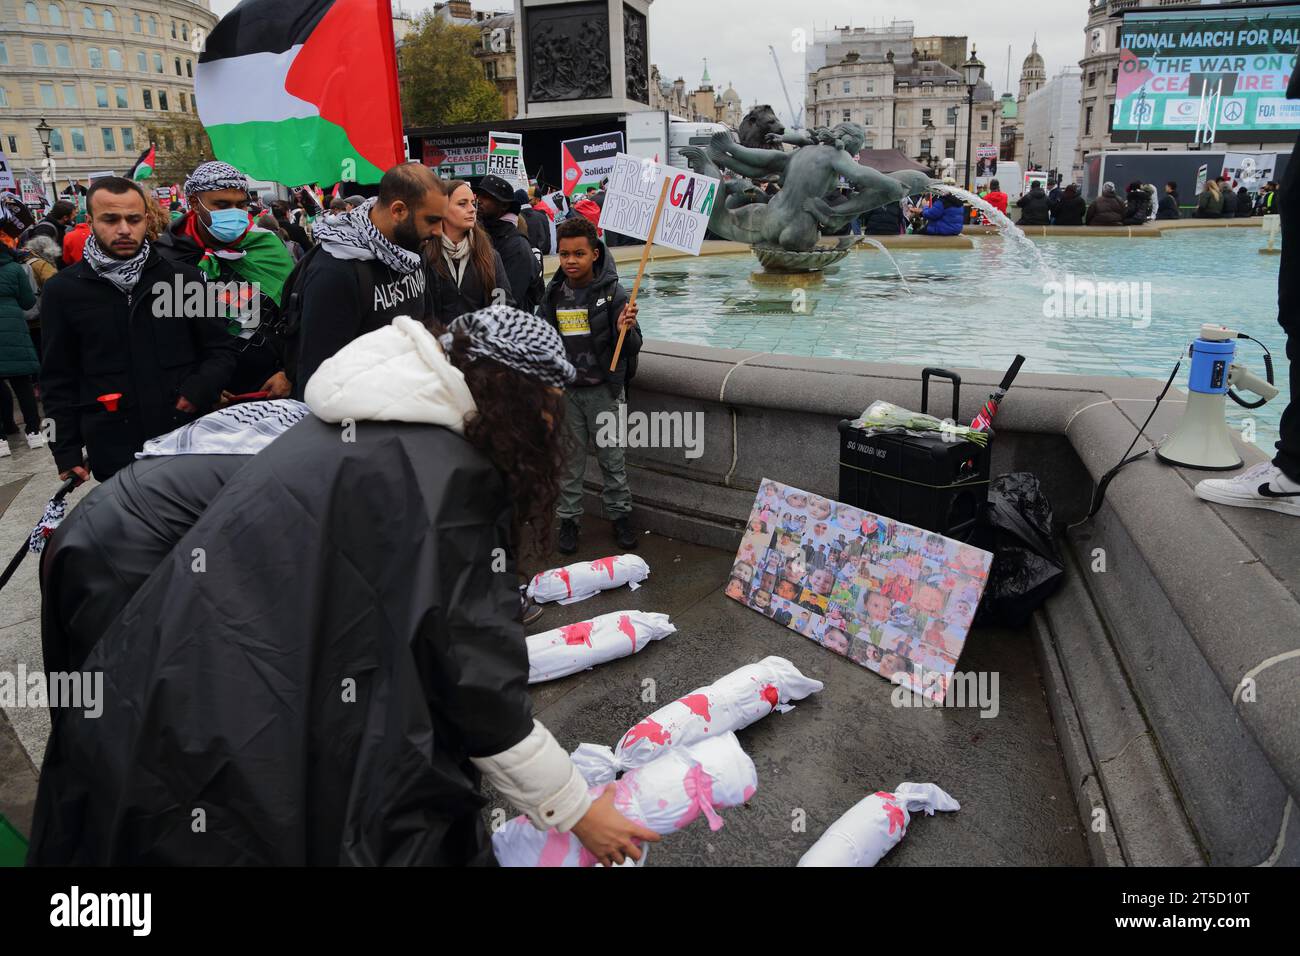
[
  {"x": 516, "y": 339},
  {"x": 351, "y": 235},
  {"x": 123, "y": 273},
  {"x": 214, "y": 175},
  {"x": 237, "y": 430}
]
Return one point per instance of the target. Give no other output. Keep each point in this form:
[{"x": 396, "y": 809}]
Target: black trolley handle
[{"x": 925, "y": 388}]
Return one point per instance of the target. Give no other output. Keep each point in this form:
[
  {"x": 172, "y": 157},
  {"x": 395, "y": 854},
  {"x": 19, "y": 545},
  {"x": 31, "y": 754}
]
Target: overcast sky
[{"x": 735, "y": 35}]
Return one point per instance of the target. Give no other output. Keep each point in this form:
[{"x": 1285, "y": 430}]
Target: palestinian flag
[
  {"x": 144, "y": 166},
  {"x": 301, "y": 91}
]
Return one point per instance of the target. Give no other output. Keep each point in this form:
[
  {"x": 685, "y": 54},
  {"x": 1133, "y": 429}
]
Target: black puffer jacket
[
  {"x": 539, "y": 229},
  {"x": 451, "y": 299},
  {"x": 324, "y": 716},
  {"x": 607, "y": 299},
  {"x": 1033, "y": 208},
  {"x": 1137, "y": 207},
  {"x": 517, "y": 256},
  {"x": 95, "y": 342}
]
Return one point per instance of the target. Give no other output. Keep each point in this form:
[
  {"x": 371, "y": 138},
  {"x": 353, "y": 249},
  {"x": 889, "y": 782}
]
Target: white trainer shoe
[
  {"x": 36, "y": 441},
  {"x": 4, "y": 448},
  {"x": 1263, "y": 486}
]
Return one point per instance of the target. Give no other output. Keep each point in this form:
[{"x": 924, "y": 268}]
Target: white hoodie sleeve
[{"x": 537, "y": 776}]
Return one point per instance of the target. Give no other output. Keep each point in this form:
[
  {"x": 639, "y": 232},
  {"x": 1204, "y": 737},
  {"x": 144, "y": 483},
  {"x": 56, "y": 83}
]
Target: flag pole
[{"x": 645, "y": 255}]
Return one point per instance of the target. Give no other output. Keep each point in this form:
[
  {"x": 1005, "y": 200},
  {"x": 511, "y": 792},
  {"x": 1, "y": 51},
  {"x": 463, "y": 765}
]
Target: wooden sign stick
[{"x": 645, "y": 255}]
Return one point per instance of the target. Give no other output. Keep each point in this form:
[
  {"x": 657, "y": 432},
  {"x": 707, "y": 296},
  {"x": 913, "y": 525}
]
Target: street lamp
[
  {"x": 929, "y": 134},
  {"x": 43, "y": 130},
  {"x": 971, "y": 70},
  {"x": 1051, "y": 172}
]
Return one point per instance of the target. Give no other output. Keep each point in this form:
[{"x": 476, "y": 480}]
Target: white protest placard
[
  {"x": 633, "y": 193},
  {"x": 31, "y": 191},
  {"x": 6, "y": 174},
  {"x": 506, "y": 158}
]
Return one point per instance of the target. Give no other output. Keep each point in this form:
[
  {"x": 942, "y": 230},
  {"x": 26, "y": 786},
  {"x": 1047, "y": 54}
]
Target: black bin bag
[{"x": 1016, "y": 525}]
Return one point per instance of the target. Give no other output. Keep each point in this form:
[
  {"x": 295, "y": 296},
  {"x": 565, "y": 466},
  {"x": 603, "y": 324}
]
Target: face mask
[{"x": 227, "y": 225}]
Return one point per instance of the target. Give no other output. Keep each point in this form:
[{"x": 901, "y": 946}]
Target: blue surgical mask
[{"x": 227, "y": 225}]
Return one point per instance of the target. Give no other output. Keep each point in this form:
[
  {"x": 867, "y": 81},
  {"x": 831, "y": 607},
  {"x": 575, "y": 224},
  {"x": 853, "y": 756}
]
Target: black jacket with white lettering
[{"x": 343, "y": 299}]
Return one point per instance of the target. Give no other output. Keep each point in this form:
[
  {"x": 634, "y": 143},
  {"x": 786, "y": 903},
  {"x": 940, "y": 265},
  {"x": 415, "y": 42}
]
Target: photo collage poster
[{"x": 892, "y": 597}]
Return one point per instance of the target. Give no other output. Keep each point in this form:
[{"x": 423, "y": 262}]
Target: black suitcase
[{"x": 928, "y": 482}]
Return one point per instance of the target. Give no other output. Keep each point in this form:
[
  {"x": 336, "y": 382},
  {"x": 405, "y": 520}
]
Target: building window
[
  {"x": 62, "y": 56},
  {"x": 109, "y": 22},
  {"x": 88, "y": 18},
  {"x": 1110, "y": 119},
  {"x": 56, "y": 16},
  {"x": 868, "y": 119},
  {"x": 846, "y": 86},
  {"x": 925, "y": 116},
  {"x": 101, "y": 97},
  {"x": 115, "y": 59},
  {"x": 984, "y": 122},
  {"x": 950, "y": 148},
  {"x": 142, "y": 62},
  {"x": 925, "y": 147},
  {"x": 189, "y": 140},
  {"x": 70, "y": 96},
  {"x": 56, "y": 141},
  {"x": 185, "y": 32},
  {"x": 78, "y": 139},
  {"x": 4, "y": 99},
  {"x": 173, "y": 29},
  {"x": 4, "y": 54},
  {"x": 1114, "y": 76},
  {"x": 178, "y": 66},
  {"x": 148, "y": 99},
  {"x": 1087, "y": 121},
  {"x": 95, "y": 58},
  {"x": 32, "y": 16},
  {"x": 162, "y": 100},
  {"x": 1092, "y": 79},
  {"x": 847, "y": 117},
  {"x": 40, "y": 55},
  {"x": 153, "y": 25},
  {"x": 47, "y": 96},
  {"x": 189, "y": 68},
  {"x": 828, "y": 89},
  {"x": 157, "y": 63},
  {"x": 952, "y": 115},
  {"x": 135, "y": 24},
  {"x": 13, "y": 140},
  {"x": 128, "y": 138},
  {"x": 119, "y": 92},
  {"x": 168, "y": 142},
  {"x": 110, "y": 144},
  {"x": 184, "y": 103},
  {"x": 871, "y": 86}
]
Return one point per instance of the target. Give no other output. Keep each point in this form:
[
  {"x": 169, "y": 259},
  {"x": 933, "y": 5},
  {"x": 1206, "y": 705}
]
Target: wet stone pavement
[{"x": 836, "y": 746}]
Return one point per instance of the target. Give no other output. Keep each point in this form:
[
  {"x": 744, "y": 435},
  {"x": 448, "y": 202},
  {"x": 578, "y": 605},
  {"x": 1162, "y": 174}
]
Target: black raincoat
[{"x": 317, "y": 684}]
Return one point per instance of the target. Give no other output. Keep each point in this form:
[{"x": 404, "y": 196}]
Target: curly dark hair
[{"x": 519, "y": 426}]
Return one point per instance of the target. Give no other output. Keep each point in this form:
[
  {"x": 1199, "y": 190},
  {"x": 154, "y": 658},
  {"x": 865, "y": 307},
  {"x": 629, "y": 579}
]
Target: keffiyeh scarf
[
  {"x": 351, "y": 235},
  {"x": 237, "y": 430},
  {"x": 123, "y": 273},
  {"x": 523, "y": 342},
  {"x": 215, "y": 175}
]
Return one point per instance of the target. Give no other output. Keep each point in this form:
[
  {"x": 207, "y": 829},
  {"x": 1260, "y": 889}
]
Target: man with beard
[
  {"x": 124, "y": 361},
  {"x": 365, "y": 271}
]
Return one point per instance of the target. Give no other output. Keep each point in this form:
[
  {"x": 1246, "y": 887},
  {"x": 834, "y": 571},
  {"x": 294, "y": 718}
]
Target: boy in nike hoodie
[{"x": 588, "y": 308}]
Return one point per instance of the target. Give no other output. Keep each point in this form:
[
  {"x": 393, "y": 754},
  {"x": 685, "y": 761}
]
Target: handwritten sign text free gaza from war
[{"x": 633, "y": 191}]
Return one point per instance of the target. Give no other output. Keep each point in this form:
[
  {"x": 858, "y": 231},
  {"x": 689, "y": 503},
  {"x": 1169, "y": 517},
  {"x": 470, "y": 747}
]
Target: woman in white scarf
[{"x": 466, "y": 272}]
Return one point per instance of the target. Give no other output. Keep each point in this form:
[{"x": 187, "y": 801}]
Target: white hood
[{"x": 395, "y": 374}]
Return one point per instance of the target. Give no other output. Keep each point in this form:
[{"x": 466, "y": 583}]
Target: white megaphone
[{"x": 1202, "y": 439}]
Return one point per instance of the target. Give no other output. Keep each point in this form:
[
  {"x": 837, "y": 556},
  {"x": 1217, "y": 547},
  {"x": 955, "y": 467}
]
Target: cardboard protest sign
[
  {"x": 633, "y": 194},
  {"x": 586, "y": 161},
  {"x": 457, "y": 157},
  {"x": 894, "y": 598},
  {"x": 506, "y": 158},
  {"x": 6, "y": 174}
]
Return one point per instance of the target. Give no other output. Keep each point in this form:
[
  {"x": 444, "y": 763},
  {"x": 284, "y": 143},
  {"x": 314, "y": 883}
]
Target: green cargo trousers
[{"x": 585, "y": 404}]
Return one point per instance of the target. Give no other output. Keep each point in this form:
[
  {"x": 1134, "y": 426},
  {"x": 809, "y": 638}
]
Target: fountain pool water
[{"x": 977, "y": 308}]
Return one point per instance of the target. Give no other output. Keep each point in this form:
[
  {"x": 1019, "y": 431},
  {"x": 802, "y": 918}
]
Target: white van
[
  {"x": 681, "y": 133},
  {"x": 1012, "y": 180}
]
